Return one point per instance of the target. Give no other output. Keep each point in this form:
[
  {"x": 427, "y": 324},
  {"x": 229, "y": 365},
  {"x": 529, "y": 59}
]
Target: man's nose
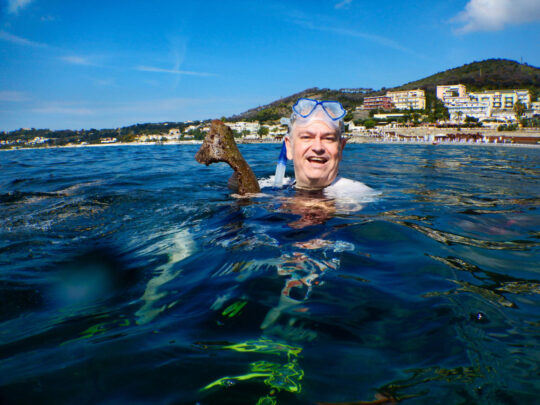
[{"x": 317, "y": 145}]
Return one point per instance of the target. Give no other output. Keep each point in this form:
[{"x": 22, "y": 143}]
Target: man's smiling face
[{"x": 315, "y": 150}]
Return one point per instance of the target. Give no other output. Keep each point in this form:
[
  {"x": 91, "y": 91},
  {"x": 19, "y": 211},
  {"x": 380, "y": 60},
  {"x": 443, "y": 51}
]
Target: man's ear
[
  {"x": 288, "y": 144},
  {"x": 343, "y": 143}
]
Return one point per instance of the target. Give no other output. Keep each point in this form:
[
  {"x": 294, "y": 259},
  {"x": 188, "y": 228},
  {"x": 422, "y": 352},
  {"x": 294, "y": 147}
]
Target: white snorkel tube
[
  {"x": 282, "y": 161},
  {"x": 281, "y": 166}
]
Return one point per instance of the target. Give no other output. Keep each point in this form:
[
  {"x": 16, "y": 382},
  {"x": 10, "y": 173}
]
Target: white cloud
[
  {"x": 59, "y": 109},
  {"x": 77, "y": 60},
  {"x": 48, "y": 18},
  {"x": 14, "y": 39},
  {"x": 15, "y": 5},
  {"x": 105, "y": 82},
  {"x": 172, "y": 71},
  {"x": 493, "y": 15},
  {"x": 377, "y": 39},
  {"x": 343, "y": 4},
  {"x": 13, "y": 96}
]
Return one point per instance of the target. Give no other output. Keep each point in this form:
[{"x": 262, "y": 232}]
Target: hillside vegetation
[{"x": 485, "y": 75}]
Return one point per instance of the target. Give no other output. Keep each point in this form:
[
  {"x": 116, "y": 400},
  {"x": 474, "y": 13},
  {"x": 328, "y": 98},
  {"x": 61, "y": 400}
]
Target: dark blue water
[{"x": 130, "y": 275}]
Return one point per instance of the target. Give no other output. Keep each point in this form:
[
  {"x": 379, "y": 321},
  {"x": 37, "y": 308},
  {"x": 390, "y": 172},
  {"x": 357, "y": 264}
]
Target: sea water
[{"x": 129, "y": 274}]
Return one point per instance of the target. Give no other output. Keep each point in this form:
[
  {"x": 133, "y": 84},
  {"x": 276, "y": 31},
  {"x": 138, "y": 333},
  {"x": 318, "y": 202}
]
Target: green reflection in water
[{"x": 278, "y": 376}]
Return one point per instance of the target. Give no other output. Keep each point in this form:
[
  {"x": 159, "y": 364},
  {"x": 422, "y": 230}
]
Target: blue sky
[{"x": 105, "y": 64}]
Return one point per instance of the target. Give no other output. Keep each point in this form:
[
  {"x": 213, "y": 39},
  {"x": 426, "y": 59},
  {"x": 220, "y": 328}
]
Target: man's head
[{"x": 314, "y": 142}]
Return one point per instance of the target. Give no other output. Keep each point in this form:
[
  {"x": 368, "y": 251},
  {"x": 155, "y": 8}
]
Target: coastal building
[
  {"x": 149, "y": 138},
  {"x": 354, "y": 129},
  {"x": 534, "y": 109},
  {"x": 503, "y": 99},
  {"x": 241, "y": 126},
  {"x": 461, "y": 107},
  {"x": 498, "y": 104},
  {"x": 190, "y": 128},
  {"x": 277, "y": 130},
  {"x": 109, "y": 140},
  {"x": 391, "y": 116},
  {"x": 356, "y": 90},
  {"x": 504, "y": 115},
  {"x": 451, "y": 91},
  {"x": 408, "y": 99},
  {"x": 378, "y": 103},
  {"x": 38, "y": 140}
]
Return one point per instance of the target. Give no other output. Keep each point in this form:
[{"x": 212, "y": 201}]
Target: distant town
[
  {"x": 490, "y": 107},
  {"x": 489, "y": 116}
]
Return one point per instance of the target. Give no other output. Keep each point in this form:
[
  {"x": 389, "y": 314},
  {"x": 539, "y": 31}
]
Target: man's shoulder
[
  {"x": 343, "y": 182},
  {"x": 342, "y": 187}
]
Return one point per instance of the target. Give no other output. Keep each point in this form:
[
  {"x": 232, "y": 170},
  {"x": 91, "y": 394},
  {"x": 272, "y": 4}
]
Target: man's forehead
[{"x": 314, "y": 129}]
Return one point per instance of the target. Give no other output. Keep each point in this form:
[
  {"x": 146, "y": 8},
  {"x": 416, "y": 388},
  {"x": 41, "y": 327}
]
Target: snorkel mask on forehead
[{"x": 306, "y": 110}]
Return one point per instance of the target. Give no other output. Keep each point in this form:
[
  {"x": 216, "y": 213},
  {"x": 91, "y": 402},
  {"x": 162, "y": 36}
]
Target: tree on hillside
[
  {"x": 263, "y": 131},
  {"x": 519, "y": 109},
  {"x": 369, "y": 124}
]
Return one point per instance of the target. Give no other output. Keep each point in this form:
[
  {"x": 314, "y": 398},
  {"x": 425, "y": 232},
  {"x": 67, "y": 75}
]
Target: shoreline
[
  {"x": 386, "y": 142},
  {"x": 397, "y": 136},
  {"x": 351, "y": 140}
]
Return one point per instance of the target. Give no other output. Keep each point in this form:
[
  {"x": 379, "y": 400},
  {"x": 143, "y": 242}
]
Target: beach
[{"x": 412, "y": 135}]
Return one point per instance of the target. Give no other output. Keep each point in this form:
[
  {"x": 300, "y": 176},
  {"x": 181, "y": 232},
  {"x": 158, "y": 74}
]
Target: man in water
[
  {"x": 314, "y": 142},
  {"x": 315, "y": 145}
]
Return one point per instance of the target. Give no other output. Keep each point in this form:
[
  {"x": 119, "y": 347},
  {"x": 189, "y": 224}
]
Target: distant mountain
[
  {"x": 282, "y": 107},
  {"x": 484, "y": 75}
]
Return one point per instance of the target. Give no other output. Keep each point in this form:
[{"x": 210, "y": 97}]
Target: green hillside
[
  {"x": 282, "y": 107},
  {"x": 484, "y": 75}
]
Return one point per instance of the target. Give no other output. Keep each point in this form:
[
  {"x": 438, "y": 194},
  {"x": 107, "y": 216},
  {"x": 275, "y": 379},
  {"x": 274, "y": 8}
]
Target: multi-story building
[
  {"x": 503, "y": 99},
  {"x": 461, "y": 107},
  {"x": 241, "y": 126},
  {"x": 378, "y": 103},
  {"x": 481, "y": 105},
  {"x": 535, "y": 108},
  {"x": 451, "y": 91},
  {"x": 408, "y": 99}
]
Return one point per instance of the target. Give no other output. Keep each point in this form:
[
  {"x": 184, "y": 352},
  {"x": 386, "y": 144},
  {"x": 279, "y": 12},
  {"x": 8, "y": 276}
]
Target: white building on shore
[
  {"x": 241, "y": 126},
  {"x": 408, "y": 99},
  {"x": 535, "y": 108},
  {"x": 277, "y": 130},
  {"x": 451, "y": 91},
  {"x": 38, "y": 140},
  {"x": 461, "y": 107},
  {"x": 482, "y": 105},
  {"x": 503, "y": 99},
  {"x": 353, "y": 129}
]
